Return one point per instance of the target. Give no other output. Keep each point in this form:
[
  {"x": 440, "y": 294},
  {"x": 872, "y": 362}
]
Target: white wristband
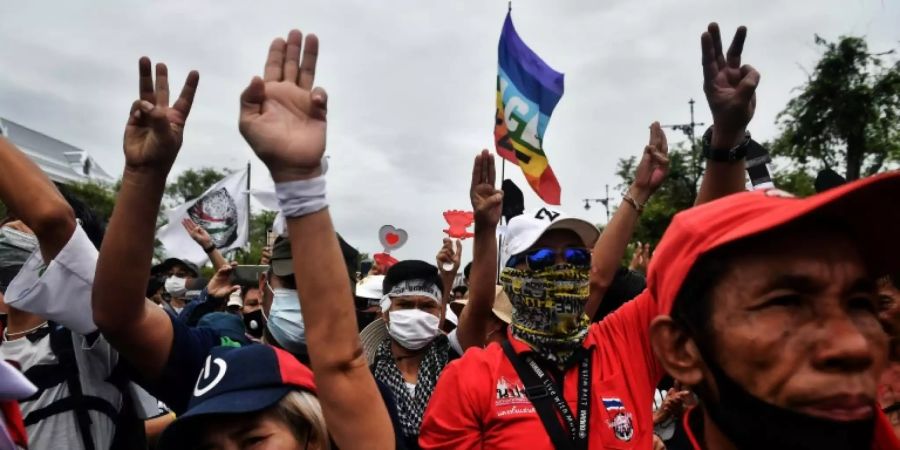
[{"x": 302, "y": 197}]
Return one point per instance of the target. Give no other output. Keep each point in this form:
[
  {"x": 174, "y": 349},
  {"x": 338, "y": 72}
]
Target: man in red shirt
[
  {"x": 561, "y": 382},
  {"x": 772, "y": 316},
  {"x": 599, "y": 378}
]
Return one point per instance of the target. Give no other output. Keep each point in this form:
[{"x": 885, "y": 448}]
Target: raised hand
[
  {"x": 154, "y": 131},
  {"x": 675, "y": 402},
  {"x": 197, "y": 233},
  {"x": 448, "y": 258},
  {"x": 265, "y": 256},
  {"x": 730, "y": 87},
  {"x": 282, "y": 115},
  {"x": 654, "y": 165},
  {"x": 220, "y": 284},
  {"x": 641, "y": 258},
  {"x": 487, "y": 201}
]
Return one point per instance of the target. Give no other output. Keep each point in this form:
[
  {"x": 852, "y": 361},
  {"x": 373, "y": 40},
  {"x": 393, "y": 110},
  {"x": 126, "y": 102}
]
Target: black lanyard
[{"x": 547, "y": 400}]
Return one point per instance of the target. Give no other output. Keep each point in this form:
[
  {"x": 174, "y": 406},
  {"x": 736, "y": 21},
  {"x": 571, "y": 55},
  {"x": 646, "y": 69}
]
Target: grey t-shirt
[{"x": 95, "y": 363}]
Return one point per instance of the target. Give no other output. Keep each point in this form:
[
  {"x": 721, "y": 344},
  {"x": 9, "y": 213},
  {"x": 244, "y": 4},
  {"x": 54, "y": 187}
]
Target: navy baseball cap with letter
[{"x": 239, "y": 380}]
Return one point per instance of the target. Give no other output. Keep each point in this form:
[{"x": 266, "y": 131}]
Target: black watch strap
[{"x": 736, "y": 153}]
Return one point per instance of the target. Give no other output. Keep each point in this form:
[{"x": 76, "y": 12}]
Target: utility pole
[
  {"x": 688, "y": 130},
  {"x": 603, "y": 201}
]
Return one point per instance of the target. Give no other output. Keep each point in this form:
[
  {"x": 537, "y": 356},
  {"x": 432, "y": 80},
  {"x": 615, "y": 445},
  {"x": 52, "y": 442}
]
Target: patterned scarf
[
  {"x": 548, "y": 309},
  {"x": 412, "y": 409}
]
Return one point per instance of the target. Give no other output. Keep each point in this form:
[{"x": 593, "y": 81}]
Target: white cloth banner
[{"x": 221, "y": 211}]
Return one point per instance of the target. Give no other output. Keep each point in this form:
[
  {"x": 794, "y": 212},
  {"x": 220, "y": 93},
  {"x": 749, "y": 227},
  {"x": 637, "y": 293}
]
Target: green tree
[
  {"x": 100, "y": 198},
  {"x": 847, "y": 115},
  {"x": 677, "y": 192},
  {"x": 795, "y": 180},
  {"x": 260, "y": 224},
  {"x": 191, "y": 183}
]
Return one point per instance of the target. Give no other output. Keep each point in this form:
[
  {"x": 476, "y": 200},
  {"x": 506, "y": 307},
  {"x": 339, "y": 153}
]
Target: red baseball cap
[{"x": 870, "y": 207}]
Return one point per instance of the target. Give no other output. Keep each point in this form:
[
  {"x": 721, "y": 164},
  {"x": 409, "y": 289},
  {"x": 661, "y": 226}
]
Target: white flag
[{"x": 221, "y": 211}]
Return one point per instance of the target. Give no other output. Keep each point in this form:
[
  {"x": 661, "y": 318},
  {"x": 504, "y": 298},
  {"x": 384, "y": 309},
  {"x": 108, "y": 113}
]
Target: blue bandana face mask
[{"x": 285, "y": 321}]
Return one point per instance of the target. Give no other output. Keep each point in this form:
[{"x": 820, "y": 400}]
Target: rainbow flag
[{"x": 527, "y": 91}]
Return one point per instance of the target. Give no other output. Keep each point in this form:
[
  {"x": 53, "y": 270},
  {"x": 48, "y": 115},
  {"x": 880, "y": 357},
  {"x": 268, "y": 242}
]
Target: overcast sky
[{"x": 411, "y": 84}]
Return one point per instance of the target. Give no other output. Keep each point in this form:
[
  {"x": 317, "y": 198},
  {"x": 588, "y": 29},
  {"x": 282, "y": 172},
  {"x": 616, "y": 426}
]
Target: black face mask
[
  {"x": 255, "y": 323},
  {"x": 364, "y": 318},
  {"x": 752, "y": 424}
]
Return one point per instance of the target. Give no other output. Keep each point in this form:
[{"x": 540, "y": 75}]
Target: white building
[{"x": 63, "y": 163}]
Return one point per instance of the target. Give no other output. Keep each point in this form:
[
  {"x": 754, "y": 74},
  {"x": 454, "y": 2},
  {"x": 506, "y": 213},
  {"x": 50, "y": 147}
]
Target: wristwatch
[{"x": 733, "y": 154}]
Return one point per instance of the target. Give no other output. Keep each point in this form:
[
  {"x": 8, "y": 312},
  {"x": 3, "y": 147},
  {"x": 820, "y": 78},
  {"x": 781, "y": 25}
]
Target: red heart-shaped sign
[{"x": 392, "y": 238}]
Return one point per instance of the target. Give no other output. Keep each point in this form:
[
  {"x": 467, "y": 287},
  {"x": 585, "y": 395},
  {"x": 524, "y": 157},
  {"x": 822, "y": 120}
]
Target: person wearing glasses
[
  {"x": 547, "y": 273},
  {"x": 560, "y": 381}
]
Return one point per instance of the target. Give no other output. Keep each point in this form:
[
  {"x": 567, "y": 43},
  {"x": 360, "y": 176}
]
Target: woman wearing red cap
[{"x": 250, "y": 396}]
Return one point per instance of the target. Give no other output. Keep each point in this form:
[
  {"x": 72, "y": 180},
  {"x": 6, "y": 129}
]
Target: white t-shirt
[
  {"x": 411, "y": 387},
  {"x": 61, "y": 292}
]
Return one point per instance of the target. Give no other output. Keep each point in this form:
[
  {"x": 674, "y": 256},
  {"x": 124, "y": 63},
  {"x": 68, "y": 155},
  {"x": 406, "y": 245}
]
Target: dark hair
[
  {"x": 411, "y": 269},
  {"x": 626, "y": 285},
  {"x": 288, "y": 281},
  {"x": 351, "y": 259},
  {"x": 245, "y": 288},
  {"x": 828, "y": 179},
  {"x": 460, "y": 289},
  {"x": 154, "y": 284},
  {"x": 93, "y": 225},
  {"x": 467, "y": 270},
  {"x": 693, "y": 305}
]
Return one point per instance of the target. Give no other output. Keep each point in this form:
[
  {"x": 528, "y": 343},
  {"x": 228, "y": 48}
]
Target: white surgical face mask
[
  {"x": 176, "y": 287},
  {"x": 413, "y": 329},
  {"x": 285, "y": 321}
]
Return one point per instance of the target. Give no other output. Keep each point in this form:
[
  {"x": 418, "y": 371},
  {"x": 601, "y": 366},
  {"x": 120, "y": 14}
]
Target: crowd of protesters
[{"x": 759, "y": 321}]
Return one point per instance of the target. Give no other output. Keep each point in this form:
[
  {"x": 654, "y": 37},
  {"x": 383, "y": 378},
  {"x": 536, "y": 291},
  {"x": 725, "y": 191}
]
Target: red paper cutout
[
  {"x": 459, "y": 221},
  {"x": 385, "y": 260}
]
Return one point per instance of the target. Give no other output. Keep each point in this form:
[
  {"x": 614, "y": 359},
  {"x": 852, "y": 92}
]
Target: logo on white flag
[
  {"x": 222, "y": 211},
  {"x": 216, "y": 212}
]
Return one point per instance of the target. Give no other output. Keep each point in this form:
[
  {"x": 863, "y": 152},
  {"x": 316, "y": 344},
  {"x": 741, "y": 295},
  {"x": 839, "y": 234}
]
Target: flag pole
[{"x": 502, "y": 179}]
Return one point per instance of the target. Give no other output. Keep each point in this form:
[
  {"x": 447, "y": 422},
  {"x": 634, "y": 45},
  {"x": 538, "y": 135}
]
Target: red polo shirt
[
  {"x": 479, "y": 401},
  {"x": 885, "y": 439}
]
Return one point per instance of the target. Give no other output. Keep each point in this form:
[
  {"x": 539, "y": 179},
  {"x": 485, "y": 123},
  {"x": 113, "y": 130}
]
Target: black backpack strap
[
  {"x": 130, "y": 433},
  {"x": 129, "y": 427},
  {"x": 540, "y": 399},
  {"x": 62, "y": 346}
]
